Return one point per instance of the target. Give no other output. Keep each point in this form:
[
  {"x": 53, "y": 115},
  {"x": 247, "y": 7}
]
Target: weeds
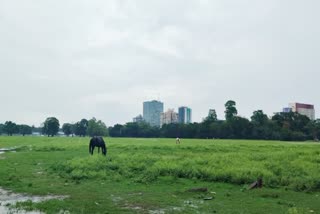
[{"x": 288, "y": 167}]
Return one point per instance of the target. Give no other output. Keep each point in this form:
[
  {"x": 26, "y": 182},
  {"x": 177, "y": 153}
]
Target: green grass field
[{"x": 153, "y": 175}]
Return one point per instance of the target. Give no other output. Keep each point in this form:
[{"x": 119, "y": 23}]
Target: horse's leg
[
  {"x": 98, "y": 149},
  {"x": 104, "y": 151},
  {"x": 91, "y": 149}
]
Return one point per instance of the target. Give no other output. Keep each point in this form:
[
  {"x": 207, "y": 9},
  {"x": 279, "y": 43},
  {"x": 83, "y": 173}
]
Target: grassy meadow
[{"x": 154, "y": 175}]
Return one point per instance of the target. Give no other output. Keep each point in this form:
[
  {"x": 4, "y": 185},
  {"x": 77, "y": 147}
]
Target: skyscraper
[
  {"x": 151, "y": 112},
  {"x": 185, "y": 114}
]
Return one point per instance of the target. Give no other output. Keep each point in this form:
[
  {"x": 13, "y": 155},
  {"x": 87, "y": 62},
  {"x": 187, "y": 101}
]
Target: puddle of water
[
  {"x": 15, "y": 211},
  {"x": 2, "y": 150},
  {"x": 9, "y": 198},
  {"x": 1, "y": 156}
]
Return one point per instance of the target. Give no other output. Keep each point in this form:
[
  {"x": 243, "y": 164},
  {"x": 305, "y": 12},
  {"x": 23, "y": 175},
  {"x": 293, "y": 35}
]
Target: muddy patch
[
  {"x": 9, "y": 199},
  {"x": 141, "y": 208}
]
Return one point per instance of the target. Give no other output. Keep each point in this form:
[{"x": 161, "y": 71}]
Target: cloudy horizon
[{"x": 81, "y": 59}]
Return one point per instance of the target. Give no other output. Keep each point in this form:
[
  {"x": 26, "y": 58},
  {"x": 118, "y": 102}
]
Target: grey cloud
[{"x": 76, "y": 58}]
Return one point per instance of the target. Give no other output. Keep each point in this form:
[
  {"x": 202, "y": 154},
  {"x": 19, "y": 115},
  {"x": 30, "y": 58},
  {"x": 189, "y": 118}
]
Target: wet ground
[
  {"x": 2, "y": 150},
  {"x": 8, "y": 198}
]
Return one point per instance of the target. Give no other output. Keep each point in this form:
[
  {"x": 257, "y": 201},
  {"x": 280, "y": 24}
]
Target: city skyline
[
  {"x": 139, "y": 116},
  {"x": 83, "y": 59}
]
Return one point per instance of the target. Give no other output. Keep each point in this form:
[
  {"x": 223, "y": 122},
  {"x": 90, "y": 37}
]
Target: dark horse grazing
[{"x": 97, "y": 142}]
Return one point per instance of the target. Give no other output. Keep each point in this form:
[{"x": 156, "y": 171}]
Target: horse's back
[
  {"x": 101, "y": 140},
  {"x": 97, "y": 141}
]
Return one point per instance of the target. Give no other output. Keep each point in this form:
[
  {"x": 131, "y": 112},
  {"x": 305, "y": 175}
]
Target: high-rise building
[
  {"x": 185, "y": 115},
  {"x": 304, "y": 109},
  {"x": 138, "y": 119},
  {"x": 151, "y": 112},
  {"x": 168, "y": 117}
]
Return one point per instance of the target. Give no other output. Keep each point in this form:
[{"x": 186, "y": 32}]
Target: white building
[
  {"x": 304, "y": 109},
  {"x": 168, "y": 117}
]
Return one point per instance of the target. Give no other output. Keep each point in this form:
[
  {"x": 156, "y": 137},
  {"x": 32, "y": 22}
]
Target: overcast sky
[{"x": 76, "y": 59}]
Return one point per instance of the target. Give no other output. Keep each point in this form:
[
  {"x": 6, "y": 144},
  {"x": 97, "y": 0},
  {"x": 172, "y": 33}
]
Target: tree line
[
  {"x": 51, "y": 127},
  {"x": 11, "y": 128},
  {"x": 288, "y": 126}
]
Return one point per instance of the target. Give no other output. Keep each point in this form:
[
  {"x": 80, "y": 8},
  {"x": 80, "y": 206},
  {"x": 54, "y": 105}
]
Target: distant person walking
[{"x": 177, "y": 140}]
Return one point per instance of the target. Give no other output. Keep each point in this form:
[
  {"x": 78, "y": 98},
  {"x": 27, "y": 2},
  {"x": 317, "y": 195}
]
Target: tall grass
[{"x": 295, "y": 166}]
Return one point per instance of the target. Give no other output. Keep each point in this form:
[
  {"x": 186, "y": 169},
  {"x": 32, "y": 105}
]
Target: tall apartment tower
[
  {"x": 152, "y": 111},
  {"x": 168, "y": 117},
  {"x": 185, "y": 115},
  {"x": 304, "y": 109}
]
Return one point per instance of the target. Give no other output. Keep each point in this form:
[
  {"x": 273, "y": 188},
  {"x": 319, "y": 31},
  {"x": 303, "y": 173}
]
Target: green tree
[
  {"x": 313, "y": 128},
  {"x": 208, "y": 128},
  {"x": 259, "y": 118},
  {"x": 116, "y": 130},
  {"x": 241, "y": 127},
  {"x": 10, "y": 128},
  {"x": 25, "y": 130},
  {"x": 67, "y": 129},
  {"x": 171, "y": 130},
  {"x": 51, "y": 126},
  {"x": 146, "y": 130},
  {"x": 212, "y": 117},
  {"x": 291, "y": 125},
  {"x": 231, "y": 110},
  {"x": 97, "y": 128},
  {"x": 131, "y": 129},
  {"x": 1, "y": 129},
  {"x": 291, "y": 120},
  {"x": 80, "y": 128},
  {"x": 262, "y": 126}
]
